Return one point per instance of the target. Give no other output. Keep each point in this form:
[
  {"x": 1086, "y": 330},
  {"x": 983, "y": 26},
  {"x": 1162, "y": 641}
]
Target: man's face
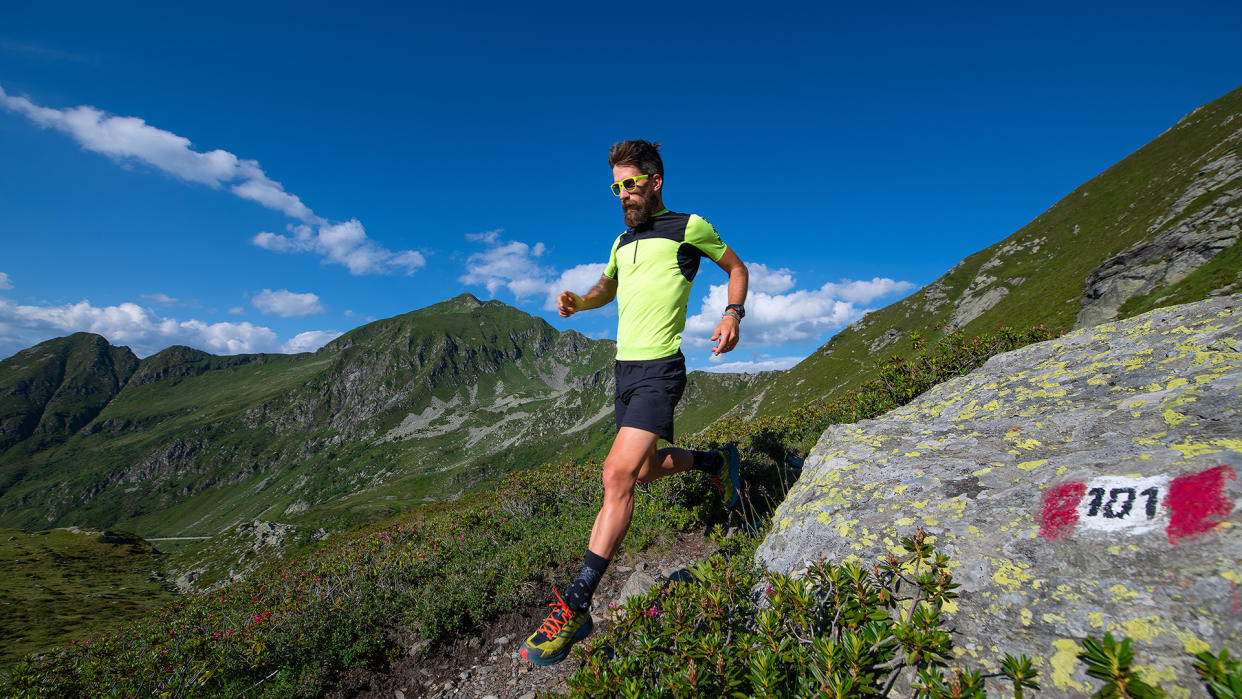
[{"x": 644, "y": 201}]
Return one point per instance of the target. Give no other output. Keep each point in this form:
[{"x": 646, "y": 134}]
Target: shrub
[{"x": 837, "y": 631}]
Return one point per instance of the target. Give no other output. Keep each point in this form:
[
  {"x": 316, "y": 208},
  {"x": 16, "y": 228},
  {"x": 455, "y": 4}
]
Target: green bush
[{"x": 836, "y": 631}]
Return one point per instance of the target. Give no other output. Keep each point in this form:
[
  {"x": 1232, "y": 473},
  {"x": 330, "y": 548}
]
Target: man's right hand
[{"x": 568, "y": 303}]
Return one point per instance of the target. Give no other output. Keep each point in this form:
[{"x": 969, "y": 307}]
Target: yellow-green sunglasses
[{"x": 630, "y": 184}]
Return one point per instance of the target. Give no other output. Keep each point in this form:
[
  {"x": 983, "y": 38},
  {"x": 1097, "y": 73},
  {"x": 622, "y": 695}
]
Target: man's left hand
[{"x": 728, "y": 332}]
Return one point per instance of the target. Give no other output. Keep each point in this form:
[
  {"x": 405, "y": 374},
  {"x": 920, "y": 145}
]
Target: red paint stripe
[
  {"x": 1059, "y": 515},
  {"x": 1198, "y": 502}
]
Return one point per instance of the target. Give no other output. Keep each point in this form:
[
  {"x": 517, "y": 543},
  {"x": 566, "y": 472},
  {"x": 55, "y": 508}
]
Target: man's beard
[{"x": 636, "y": 215}]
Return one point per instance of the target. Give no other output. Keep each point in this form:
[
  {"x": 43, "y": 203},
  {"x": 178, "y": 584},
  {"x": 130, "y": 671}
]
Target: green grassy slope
[{"x": 61, "y": 585}]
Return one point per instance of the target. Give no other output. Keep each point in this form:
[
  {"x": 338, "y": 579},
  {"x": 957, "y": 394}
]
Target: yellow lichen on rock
[
  {"x": 1064, "y": 662},
  {"x": 1010, "y": 575}
]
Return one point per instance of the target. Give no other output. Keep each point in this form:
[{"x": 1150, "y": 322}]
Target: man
[{"x": 650, "y": 272}]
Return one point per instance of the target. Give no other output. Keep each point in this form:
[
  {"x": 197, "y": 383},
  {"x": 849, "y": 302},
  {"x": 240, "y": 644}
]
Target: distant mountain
[
  {"x": 55, "y": 388},
  {"x": 1158, "y": 228},
  {"x": 397, "y": 412}
]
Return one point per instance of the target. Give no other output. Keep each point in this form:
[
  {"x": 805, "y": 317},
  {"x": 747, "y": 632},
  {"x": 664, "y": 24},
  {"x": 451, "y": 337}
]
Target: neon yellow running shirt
[{"x": 654, "y": 264}]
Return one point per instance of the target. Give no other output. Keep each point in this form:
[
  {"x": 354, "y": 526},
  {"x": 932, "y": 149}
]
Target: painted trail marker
[{"x": 1130, "y": 505}]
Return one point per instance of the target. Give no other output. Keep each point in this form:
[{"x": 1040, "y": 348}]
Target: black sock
[
  {"x": 578, "y": 597},
  {"x": 707, "y": 461}
]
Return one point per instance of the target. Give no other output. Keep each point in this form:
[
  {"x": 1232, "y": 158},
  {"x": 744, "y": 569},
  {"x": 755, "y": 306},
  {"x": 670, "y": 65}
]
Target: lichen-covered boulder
[{"x": 1083, "y": 485}]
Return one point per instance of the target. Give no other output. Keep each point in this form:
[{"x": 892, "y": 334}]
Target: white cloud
[
  {"x": 489, "y": 237},
  {"x": 286, "y": 304},
  {"x": 514, "y": 265},
  {"x": 129, "y": 139},
  {"x": 162, "y": 299},
  {"x": 775, "y": 317},
  {"x": 344, "y": 244},
  {"x": 752, "y": 367},
  {"x": 771, "y": 281},
  {"x": 309, "y": 341},
  {"x": 127, "y": 324},
  {"x": 4, "y": 281},
  {"x": 237, "y": 311},
  {"x": 507, "y": 265},
  {"x": 577, "y": 279}
]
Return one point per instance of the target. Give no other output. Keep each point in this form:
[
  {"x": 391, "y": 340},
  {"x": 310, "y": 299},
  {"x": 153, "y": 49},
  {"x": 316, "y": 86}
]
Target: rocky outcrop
[
  {"x": 1082, "y": 486},
  {"x": 1204, "y": 221},
  {"x": 984, "y": 292}
]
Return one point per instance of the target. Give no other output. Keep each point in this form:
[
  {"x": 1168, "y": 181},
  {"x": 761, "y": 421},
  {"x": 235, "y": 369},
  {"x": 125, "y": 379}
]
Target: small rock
[
  {"x": 641, "y": 566},
  {"x": 399, "y": 694},
  {"x": 464, "y": 675},
  {"x": 503, "y": 640},
  {"x": 639, "y": 583},
  {"x": 528, "y": 695}
]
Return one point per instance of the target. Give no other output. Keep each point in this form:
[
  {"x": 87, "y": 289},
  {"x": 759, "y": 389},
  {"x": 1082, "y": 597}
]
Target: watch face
[{"x": 741, "y": 311}]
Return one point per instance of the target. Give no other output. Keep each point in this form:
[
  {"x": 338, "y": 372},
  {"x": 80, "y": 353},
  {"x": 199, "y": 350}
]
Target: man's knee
[{"x": 619, "y": 478}]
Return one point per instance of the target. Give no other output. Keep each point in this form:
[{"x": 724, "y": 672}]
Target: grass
[{"x": 60, "y": 585}]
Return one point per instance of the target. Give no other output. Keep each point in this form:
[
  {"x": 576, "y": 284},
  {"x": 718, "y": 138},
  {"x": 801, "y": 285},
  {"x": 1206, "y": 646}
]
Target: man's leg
[
  {"x": 633, "y": 459},
  {"x": 633, "y": 452}
]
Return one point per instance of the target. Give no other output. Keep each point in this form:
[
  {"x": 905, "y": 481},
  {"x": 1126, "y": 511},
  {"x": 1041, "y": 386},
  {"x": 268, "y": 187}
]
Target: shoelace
[{"x": 553, "y": 625}]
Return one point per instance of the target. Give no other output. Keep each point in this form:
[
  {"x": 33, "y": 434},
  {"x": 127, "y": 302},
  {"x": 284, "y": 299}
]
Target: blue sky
[{"x": 261, "y": 177}]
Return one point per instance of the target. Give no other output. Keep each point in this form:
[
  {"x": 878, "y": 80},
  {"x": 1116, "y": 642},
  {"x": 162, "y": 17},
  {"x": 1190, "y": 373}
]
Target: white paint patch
[{"x": 1126, "y": 505}]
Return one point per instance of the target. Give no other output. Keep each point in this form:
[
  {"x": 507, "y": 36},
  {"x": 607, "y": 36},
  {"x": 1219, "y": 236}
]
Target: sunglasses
[{"x": 630, "y": 184}]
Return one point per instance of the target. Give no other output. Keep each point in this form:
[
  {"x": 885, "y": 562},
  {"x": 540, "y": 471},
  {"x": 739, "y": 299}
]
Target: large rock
[{"x": 1082, "y": 485}]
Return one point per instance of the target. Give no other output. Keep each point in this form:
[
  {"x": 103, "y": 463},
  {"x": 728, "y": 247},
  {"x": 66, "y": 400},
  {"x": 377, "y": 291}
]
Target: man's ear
[{"x": 657, "y": 182}]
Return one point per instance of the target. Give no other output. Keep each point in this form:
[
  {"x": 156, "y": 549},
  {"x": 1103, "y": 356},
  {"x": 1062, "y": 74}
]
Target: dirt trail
[{"x": 485, "y": 663}]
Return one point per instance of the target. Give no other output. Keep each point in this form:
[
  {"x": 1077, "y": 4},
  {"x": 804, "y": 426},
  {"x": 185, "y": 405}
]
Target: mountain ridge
[{"x": 178, "y": 416}]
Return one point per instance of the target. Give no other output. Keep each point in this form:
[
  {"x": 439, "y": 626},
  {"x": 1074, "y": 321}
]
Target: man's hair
[{"x": 638, "y": 153}]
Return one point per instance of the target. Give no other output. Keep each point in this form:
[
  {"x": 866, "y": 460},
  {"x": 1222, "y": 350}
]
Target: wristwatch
[{"x": 737, "y": 308}]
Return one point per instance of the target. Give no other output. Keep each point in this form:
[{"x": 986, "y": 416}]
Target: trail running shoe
[
  {"x": 729, "y": 478},
  {"x": 564, "y": 627}
]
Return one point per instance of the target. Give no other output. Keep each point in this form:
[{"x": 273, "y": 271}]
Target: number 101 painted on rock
[{"x": 1183, "y": 506}]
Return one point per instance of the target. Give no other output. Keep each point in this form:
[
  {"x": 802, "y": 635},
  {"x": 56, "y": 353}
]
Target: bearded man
[{"x": 650, "y": 272}]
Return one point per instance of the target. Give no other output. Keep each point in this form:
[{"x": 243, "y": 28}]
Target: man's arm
[
  {"x": 728, "y": 330},
  {"x": 604, "y": 291}
]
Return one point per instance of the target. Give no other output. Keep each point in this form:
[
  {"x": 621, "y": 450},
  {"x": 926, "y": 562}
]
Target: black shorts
[{"x": 648, "y": 391}]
